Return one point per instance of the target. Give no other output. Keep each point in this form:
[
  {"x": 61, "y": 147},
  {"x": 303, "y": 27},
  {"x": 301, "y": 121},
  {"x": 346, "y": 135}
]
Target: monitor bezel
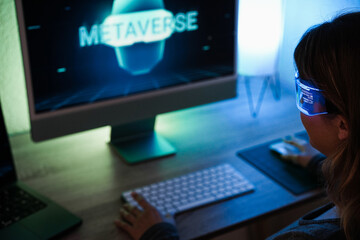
[{"x": 47, "y": 125}]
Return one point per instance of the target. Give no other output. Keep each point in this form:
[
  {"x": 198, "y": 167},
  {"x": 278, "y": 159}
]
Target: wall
[
  {"x": 12, "y": 82},
  {"x": 299, "y": 15}
]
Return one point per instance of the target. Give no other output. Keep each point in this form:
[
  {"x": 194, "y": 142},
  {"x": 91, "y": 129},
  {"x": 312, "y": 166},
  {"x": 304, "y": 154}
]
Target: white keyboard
[{"x": 194, "y": 189}]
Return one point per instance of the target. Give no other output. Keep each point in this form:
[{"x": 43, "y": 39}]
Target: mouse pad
[{"x": 292, "y": 177}]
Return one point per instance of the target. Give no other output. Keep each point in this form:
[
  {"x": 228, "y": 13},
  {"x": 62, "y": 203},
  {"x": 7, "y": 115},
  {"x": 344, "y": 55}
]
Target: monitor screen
[
  {"x": 95, "y": 63},
  {"x": 82, "y": 52}
]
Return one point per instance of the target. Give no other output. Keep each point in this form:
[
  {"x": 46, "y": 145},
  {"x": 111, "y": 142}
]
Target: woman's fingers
[
  {"x": 133, "y": 210},
  {"x": 295, "y": 142},
  {"x": 127, "y": 216},
  {"x": 141, "y": 201},
  {"x": 123, "y": 225},
  {"x": 127, "y": 228},
  {"x": 135, "y": 221}
]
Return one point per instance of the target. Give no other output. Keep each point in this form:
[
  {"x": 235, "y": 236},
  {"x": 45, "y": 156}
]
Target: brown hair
[{"x": 329, "y": 55}]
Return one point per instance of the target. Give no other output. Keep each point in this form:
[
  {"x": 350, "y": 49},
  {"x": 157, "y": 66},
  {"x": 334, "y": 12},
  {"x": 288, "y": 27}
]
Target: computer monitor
[{"x": 122, "y": 62}]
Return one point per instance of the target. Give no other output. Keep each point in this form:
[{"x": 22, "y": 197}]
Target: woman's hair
[{"x": 329, "y": 55}]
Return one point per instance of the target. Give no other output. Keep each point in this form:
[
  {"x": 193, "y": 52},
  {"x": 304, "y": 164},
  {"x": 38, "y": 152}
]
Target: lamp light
[{"x": 260, "y": 33}]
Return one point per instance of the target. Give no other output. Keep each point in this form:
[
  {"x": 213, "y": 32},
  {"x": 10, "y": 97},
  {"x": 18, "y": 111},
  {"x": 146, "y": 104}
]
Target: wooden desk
[{"x": 83, "y": 174}]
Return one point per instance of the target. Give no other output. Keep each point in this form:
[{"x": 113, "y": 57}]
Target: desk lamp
[{"x": 260, "y": 32}]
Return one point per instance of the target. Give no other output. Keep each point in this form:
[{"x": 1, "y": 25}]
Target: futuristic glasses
[{"x": 309, "y": 99}]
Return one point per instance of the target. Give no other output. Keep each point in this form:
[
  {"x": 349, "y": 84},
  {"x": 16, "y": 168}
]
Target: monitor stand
[{"x": 138, "y": 141}]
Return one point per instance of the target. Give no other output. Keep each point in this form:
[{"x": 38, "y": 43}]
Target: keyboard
[
  {"x": 193, "y": 190},
  {"x": 16, "y": 204}
]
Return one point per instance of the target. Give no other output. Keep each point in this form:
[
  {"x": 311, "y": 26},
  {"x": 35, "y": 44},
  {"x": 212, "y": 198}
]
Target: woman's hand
[
  {"x": 135, "y": 221},
  {"x": 307, "y": 152}
]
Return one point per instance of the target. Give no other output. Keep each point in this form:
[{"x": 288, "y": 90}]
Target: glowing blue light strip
[
  {"x": 35, "y": 27},
  {"x": 61, "y": 70}
]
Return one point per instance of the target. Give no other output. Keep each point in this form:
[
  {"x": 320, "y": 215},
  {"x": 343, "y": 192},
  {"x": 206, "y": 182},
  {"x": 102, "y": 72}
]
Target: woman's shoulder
[
  {"x": 308, "y": 227},
  {"x": 305, "y": 235}
]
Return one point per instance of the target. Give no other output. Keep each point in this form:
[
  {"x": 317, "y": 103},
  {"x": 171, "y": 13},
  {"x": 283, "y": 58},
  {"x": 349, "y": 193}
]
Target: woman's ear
[{"x": 342, "y": 127}]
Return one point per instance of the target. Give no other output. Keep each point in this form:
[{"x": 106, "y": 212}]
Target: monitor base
[{"x": 138, "y": 142}]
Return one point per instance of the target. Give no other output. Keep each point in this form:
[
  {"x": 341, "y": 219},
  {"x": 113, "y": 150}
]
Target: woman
[{"x": 328, "y": 96}]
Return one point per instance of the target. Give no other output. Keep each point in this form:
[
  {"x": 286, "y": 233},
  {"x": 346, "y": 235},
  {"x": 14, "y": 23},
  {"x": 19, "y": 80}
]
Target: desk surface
[{"x": 82, "y": 173}]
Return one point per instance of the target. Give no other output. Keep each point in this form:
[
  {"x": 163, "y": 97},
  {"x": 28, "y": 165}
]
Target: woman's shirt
[{"x": 313, "y": 226}]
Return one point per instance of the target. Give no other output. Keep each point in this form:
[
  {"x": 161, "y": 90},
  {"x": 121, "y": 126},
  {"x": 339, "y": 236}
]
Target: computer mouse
[{"x": 283, "y": 148}]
